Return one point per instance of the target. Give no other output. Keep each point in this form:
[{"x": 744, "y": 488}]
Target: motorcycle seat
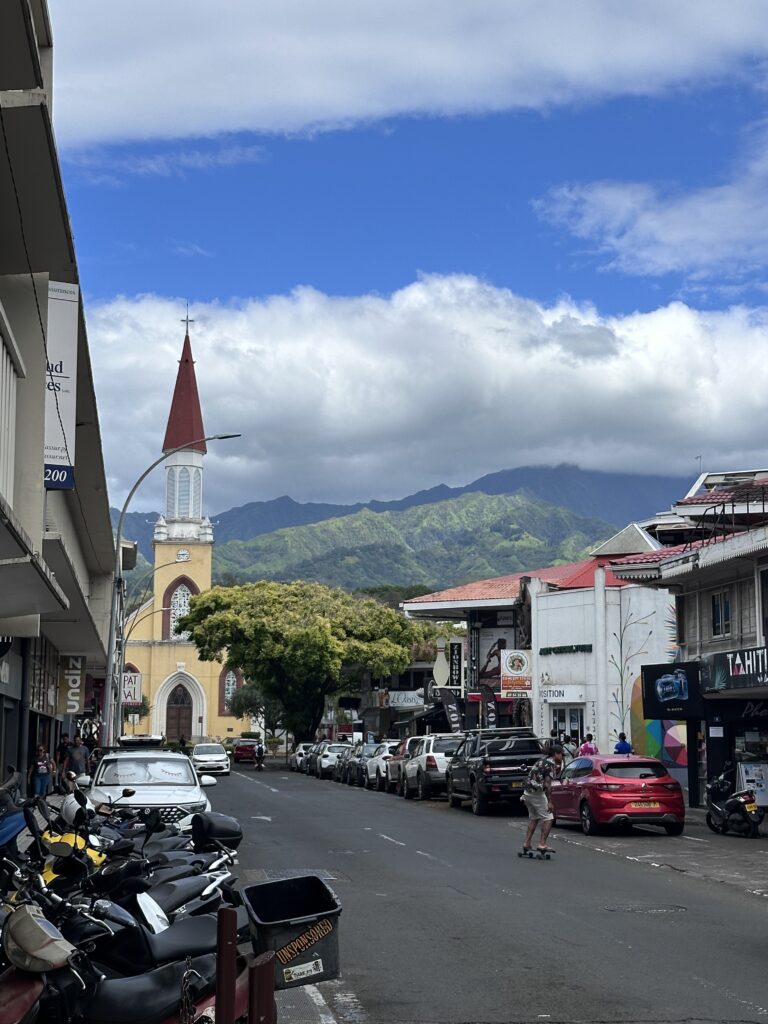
[
  {"x": 194, "y": 936},
  {"x": 151, "y": 997},
  {"x": 172, "y": 895}
]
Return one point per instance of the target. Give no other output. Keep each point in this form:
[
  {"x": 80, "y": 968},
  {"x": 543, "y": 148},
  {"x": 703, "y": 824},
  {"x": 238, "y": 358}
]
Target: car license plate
[
  {"x": 515, "y": 785},
  {"x": 652, "y": 804},
  {"x": 750, "y": 807}
]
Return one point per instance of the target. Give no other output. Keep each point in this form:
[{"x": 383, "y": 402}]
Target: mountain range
[{"x": 500, "y": 523}]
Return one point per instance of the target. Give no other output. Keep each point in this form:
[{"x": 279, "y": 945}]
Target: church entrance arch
[{"x": 178, "y": 713}]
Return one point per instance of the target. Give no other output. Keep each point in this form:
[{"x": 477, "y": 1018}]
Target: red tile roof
[
  {"x": 185, "y": 422},
  {"x": 753, "y": 492},
  {"x": 572, "y": 576}
]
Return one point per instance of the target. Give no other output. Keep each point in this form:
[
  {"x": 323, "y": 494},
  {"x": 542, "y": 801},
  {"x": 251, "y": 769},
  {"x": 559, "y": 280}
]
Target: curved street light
[{"x": 113, "y": 677}]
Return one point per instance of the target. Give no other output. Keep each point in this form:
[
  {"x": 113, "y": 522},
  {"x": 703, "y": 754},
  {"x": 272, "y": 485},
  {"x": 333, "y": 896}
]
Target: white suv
[
  {"x": 376, "y": 766},
  {"x": 161, "y": 779},
  {"x": 425, "y": 771}
]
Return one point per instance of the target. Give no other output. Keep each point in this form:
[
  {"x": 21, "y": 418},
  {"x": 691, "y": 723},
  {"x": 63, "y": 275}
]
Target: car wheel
[
  {"x": 422, "y": 787},
  {"x": 380, "y": 784},
  {"x": 479, "y": 800},
  {"x": 588, "y": 824},
  {"x": 675, "y": 829},
  {"x": 453, "y": 800},
  {"x": 407, "y": 791}
]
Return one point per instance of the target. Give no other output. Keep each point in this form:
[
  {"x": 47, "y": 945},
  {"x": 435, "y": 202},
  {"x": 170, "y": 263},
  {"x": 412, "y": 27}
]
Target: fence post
[
  {"x": 226, "y": 965},
  {"x": 261, "y": 989}
]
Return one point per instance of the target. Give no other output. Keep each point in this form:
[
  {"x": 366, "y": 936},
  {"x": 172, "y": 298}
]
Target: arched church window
[
  {"x": 183, "y": 492},
  {"x": 229, "y": 681},
  {"x": 170, "y": 504},
  {"x": 197, "y": 490},
  {"x": 179, "y": 607}
]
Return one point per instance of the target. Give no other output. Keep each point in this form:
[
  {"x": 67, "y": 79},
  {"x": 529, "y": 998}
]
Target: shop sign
[
  {"x": 61, "y": 385},
  {"x": 562, "y": 694},
  {"x": 405, "y": 699},
  {"x": 456, "y": 663},
  {"x": 515, "y": 673},
  {"x": 736, "y": 670},
  {"x": 71, "y": 684},
  {"x": 131, "y": 688},
  {"x": 672, "y": 690}
]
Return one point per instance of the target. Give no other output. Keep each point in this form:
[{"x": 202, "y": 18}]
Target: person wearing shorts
[{"x": 537, "y": 797}]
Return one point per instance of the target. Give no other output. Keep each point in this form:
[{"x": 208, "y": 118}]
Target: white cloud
[
  {"x": 719, "y": 231},
  {"x": 142, "y": 69},
  {"x": 449, "y": 378},
  {"x": 101, "y": 167}
]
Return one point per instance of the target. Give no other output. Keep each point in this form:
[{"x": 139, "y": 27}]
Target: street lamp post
[{"x": 115, "y": 660}]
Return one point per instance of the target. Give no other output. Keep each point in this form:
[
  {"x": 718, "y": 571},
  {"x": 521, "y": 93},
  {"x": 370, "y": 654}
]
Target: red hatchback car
[
  {"x": 620, "y": 789},
  {"x": 244, "y": 750}
]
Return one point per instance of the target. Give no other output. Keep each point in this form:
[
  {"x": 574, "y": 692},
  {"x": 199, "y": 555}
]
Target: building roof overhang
[
  {"x": 27, "y": 585},
  {"x": 19, "y": 57},
  {"x": 73, "y": 630}
]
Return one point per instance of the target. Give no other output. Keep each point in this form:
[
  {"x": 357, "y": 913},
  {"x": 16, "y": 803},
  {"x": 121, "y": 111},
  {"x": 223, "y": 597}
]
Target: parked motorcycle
[{"x": 732, "y": 812}]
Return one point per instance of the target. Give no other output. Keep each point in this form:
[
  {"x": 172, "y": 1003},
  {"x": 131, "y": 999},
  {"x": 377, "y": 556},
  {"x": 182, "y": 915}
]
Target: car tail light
[
  {"x": 612, "y": 786},
  {"x": 671, "y": 785},
  {"x": 431, "y": 762}
]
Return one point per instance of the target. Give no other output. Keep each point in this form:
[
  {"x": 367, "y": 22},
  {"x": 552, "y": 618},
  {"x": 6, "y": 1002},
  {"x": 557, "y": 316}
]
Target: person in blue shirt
[{"x": 623, "y": 746}]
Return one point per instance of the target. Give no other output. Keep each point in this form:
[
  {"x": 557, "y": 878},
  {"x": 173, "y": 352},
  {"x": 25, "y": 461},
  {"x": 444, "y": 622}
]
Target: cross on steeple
[{"x": 187, "y": 320}]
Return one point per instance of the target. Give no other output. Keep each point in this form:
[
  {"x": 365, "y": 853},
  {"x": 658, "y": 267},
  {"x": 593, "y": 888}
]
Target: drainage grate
[
  {"x": 646, "y": 908},
  {"x": 264, "y": 875}
]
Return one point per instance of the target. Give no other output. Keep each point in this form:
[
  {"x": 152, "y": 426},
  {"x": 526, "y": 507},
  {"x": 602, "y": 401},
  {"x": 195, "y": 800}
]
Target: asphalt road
[{"x": 443, "y": 923}]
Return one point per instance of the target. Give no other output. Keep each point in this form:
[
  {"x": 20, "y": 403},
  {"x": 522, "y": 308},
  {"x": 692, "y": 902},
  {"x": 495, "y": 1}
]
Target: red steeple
[{"x": 185, "y": 422}]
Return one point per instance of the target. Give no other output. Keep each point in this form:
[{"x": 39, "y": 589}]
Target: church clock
[{"x": 182, "y": 555}]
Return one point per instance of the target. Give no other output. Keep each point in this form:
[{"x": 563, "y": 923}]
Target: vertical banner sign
[
  {"x": 456, "y": 664},
  {"x": 71, "y": 684},
  {"x": 473, "y": 657},
  {"x": 451, "y": 707},
  {"x": 61, "y": 386},
  {"x": 488, "y": 697},
  {"x": 131, "y": 689}
]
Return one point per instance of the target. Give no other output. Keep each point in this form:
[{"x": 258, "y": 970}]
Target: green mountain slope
[{"x": 469, "y": 537}]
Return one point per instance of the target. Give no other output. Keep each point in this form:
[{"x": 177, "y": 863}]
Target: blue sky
[{"x": 360, "y": 201}]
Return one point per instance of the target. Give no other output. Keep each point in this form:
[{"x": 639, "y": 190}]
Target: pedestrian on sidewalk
[
  {"x": 538, "y": 800},
  {"x": 623, "y": 745},
  {"x": 62, "y": 753},
  {"x": 78, "y": 760},
  {"x": 41, "y": 771},
  {"x": 588, "y": 747}
]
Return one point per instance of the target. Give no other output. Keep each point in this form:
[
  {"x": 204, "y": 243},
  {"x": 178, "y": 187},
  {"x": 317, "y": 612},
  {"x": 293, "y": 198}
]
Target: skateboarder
[{"x": 537, "y": 798}]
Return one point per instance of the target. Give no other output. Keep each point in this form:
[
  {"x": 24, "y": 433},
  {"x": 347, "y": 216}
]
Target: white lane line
[
  {"x": 260, "y": 817},
  {"x": 390, "y": 839},
  {"x": 325, "y": 1015},
  {"x": 437, "y": 860},
  {"x": 693, "y": 839},
  {"x": 258, "y": 782}
]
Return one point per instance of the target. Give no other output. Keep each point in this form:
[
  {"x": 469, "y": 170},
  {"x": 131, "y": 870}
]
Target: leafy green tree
[
  {"x": 142, "y": 709},
  {"x": 250, "y": 702},
  {"x": 300, "y": 642}
]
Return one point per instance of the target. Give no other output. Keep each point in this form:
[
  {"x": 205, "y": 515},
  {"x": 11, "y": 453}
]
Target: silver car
[{"x": 161, "y": 779}]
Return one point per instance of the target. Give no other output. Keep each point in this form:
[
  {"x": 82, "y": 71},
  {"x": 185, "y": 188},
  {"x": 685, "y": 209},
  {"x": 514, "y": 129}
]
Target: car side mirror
[
  {"x": 207, "y": 780},
  {"x": 83, "y": 782}
]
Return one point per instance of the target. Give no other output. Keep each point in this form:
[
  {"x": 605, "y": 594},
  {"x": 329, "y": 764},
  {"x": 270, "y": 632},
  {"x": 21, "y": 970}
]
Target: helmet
[
  {"x": 32, "y": 943},
  {"x": 70, "y": 807}
]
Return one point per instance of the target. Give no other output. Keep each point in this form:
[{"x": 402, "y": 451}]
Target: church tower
[{"x": 187, "y": 696}]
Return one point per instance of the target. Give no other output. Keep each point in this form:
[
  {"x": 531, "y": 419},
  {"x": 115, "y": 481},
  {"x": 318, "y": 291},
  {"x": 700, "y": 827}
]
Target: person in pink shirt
[{"x": 588, "y": 746}]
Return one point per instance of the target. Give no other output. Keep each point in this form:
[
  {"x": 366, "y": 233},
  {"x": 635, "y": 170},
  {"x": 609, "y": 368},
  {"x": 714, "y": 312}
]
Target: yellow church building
[{"x": 187, "y": 697}]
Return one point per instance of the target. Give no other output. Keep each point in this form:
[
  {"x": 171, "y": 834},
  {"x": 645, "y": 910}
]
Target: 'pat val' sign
[
  {"x": 61, "y": 385},
  {"x": 131, "y": 688},
  {"x": 71, "y": 684}
]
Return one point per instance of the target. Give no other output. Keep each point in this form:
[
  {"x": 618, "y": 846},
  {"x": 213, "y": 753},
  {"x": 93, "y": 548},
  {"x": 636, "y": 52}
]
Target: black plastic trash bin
[{"x": 298, "y": 918}]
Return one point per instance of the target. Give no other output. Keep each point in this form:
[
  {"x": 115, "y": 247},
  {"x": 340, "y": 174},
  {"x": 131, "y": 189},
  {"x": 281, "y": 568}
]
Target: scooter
[
  {"x": 732, "y": 812},
  {"x": 259, "y": 762}
]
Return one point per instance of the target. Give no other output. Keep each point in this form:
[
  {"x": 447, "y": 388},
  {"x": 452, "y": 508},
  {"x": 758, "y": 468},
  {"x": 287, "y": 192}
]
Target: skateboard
[{"x": 538, "y": 854}]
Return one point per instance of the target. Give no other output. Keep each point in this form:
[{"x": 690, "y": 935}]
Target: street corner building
[
  {"x": 187, "y": 696},
  {"x": 56, "y": 543}
]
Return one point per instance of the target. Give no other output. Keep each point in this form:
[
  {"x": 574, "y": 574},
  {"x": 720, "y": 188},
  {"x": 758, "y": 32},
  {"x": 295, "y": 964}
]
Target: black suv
[{"x": 491, "y": 765}]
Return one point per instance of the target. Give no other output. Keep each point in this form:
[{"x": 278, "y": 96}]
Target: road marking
[
  {"x": 260, "y": 817},
  {"x": 429, "y": 856},
  {"x": 258, "y": 782},
  {"x": 693, "y": 839},
  {"x": 390, "y": 839},
  {"x": 326, "y": 1017}
]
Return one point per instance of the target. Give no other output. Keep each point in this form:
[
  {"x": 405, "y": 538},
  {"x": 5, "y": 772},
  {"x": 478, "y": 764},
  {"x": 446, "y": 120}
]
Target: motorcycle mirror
[
  {"x": 80, "y": 817},
  {"x": 80, "y": 798},
  {"x": 128, "y": 792}
]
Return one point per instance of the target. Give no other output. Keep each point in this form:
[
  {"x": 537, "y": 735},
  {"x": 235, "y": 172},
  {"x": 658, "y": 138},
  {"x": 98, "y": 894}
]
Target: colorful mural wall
[{"x": 663, "y": 739}]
